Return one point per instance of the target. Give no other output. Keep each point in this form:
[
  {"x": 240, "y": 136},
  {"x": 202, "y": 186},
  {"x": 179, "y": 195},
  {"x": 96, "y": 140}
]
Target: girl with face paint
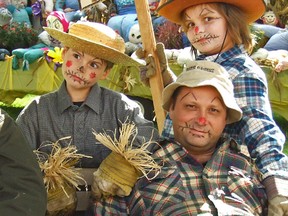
[
  {"x": 206, "y": 29},
  {"x": 218, "y": 31}
]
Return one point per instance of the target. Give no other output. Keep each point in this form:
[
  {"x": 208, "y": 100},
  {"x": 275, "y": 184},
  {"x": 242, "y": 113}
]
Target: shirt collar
[
  {"x": 236, "y": 50},
  {"x": 65, "y": 102},
  {"x": 94, "y": 98}
]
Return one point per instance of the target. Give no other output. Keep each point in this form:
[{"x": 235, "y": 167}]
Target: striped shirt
[
  {"x": 228, "y": 183},
  {"x": 257, "y": 128}
]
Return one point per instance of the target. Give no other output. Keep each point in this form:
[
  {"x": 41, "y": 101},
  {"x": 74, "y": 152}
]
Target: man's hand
[
  {"x": 278, "y": 206},
  {"x": 149, "y": 69}
]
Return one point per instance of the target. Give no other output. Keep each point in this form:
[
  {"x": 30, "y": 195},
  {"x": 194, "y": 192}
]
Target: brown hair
[
  {"x": 237, "y": 28},
  {"x": 109, "y": 65},
  {"x": 174, "y": 96}
]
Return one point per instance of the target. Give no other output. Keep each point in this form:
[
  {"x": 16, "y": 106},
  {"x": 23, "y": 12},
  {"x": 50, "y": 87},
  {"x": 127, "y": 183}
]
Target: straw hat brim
[
  {"x": 92, "y": 48},
  {"x": 172, "y": 9}
]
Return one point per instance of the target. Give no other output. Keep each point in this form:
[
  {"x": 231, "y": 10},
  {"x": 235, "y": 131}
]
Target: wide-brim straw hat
[
  {"x": 172, "y": 9},
  {"x": 95, "y": 39},
  {"x": 206, "y": 73}
]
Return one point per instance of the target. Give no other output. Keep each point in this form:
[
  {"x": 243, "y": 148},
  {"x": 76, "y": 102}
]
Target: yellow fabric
[
  {"x": 41, "y": 78},
  {"x": 118, "y": 170},
  {"x": 127, "y": 81},
  {"x": 278, "y": 91}
]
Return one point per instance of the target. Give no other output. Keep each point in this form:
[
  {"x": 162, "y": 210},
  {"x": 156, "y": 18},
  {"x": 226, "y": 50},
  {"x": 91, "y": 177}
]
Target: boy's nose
[{"x": 81, "y": 69}]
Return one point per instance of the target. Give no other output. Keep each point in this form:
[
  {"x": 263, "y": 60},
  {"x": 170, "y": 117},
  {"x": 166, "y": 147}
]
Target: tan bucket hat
[
  {"x": 96, "y": 39},
  {"x": 206, "y": 73},
  {"x": 172, "y": 9}
]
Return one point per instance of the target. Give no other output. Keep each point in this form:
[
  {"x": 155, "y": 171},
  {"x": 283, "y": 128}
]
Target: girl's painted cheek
[
  {"x": 92, "y": 75},
  {"x": 69, "y": 63}
]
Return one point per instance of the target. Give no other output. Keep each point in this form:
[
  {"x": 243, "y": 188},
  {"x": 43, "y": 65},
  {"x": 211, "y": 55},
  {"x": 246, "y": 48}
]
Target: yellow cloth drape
[
  {"x": 41, "y": 78},
  {"x": 278, "y": 91}
]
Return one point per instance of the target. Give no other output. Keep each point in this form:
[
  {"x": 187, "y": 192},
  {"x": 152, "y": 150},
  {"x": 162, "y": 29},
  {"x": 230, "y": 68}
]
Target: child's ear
[
  {"x": 65, "y": 49},
  {"x": 105, "y": 74}
]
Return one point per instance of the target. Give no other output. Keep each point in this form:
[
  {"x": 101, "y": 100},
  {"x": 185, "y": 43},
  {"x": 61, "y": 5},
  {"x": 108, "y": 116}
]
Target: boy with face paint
[
  {"x": 218, "y": 31},
  {"x": 203, "y": 172},
  {"x": 80, "y": 106}
]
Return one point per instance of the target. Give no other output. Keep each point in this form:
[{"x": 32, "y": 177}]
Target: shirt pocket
[
  {"x": 166, "y": 188},
  {"x": 245, "y": 191}
]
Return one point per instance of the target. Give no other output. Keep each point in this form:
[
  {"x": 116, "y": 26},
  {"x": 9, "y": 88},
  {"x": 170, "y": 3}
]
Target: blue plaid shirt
[
  {"x": 228, "y": 184},
  {"x": 257, "y": 128}
]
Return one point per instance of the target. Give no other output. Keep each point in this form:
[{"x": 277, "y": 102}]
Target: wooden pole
[{"x": 149, "y": 46}]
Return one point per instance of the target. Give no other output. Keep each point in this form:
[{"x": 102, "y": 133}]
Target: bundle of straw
[
  {"x": 61, "y": 177},
  {"x": 138, "y": 158}
]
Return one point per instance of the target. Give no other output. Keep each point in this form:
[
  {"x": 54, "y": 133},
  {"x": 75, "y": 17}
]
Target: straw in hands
[
  {"x": 59, "y": 165},
  {"x": 138, "y": 157}
]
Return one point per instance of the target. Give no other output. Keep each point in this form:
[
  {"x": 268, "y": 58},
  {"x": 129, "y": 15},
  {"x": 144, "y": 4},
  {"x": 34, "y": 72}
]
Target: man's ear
[
  {"x": 171, "y": 111},
  {"x": 105, "y": 74}
]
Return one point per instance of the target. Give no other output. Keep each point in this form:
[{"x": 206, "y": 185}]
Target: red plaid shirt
[{"x": 227, "y": 185}]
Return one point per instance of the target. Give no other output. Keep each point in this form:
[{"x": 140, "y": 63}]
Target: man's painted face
[
  {"x": 199, "y": 117},
  {"x": 206, "y": 29},
  {"x": 81, "y": 70}
]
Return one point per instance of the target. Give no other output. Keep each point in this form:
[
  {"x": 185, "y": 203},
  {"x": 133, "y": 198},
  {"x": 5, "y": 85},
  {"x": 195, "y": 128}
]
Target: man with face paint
[
  {"x": 218, "y": 31},
  {"x": 80, "y": 106},
  {"x": 203, "y": 172}
]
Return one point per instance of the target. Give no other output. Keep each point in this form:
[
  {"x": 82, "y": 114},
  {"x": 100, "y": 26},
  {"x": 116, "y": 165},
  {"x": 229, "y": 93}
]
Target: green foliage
[
  {"x": 17, "y": 35},
  {"x": 286, "y": 148},
  {"x": 283, "y": 124},
  {"x": 259, "y": 39}
]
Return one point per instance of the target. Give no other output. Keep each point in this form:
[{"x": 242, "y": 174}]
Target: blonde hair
[{"x": 237, "y": 29}]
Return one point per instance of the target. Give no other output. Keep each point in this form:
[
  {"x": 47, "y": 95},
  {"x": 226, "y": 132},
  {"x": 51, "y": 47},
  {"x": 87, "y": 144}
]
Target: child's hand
[
  {"x": 282, "y": 65},
  {"x": 102, "y": 187},
  {"x": 149, "y": 69},
  {"x": 278, "y": 206}
]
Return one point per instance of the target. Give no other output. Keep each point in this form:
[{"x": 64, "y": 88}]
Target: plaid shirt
[
  {"x": 257, "y": 128},
  {"x": 227, "y": 185}
]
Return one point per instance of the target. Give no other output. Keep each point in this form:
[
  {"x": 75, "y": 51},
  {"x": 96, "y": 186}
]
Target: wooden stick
[{"x": 149, "y": 46}]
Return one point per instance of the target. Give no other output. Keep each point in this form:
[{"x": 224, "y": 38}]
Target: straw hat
[
  {"x": 206, "y": 73},
  {"x": 172, "y": 9},
  {"x": 95, "y": 39}
]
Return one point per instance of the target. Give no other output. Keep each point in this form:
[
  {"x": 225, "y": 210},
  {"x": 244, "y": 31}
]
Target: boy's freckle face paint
[
  {"x": 92, "y": 75},
  {"x": 68, "y": 63}
]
